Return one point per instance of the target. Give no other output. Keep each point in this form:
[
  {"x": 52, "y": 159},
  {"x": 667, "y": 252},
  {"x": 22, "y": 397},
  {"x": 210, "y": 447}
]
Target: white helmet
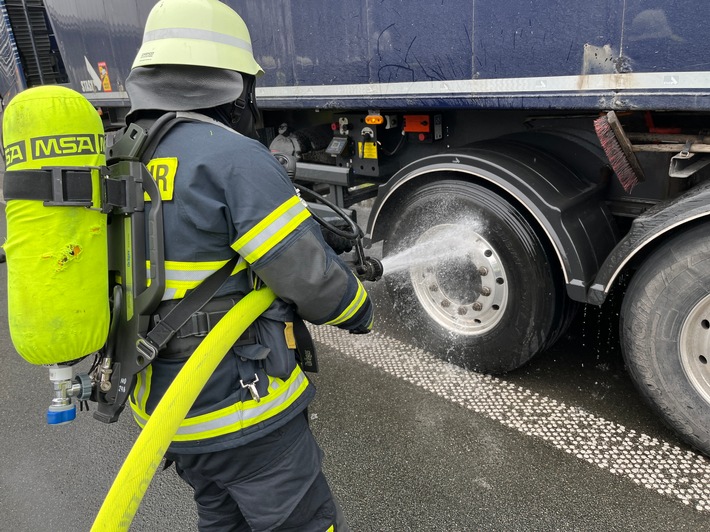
[{"x": 197, "y": 32}]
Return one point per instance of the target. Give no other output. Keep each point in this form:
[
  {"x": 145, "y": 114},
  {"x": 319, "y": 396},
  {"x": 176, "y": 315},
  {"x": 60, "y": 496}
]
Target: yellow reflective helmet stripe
[
  {"x": 280, "y": 223},
  {"x": 353, "y": 307},
  {"x": 238, "y": 416}
]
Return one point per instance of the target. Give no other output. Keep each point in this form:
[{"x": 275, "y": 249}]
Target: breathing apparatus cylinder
[{"x": 57, "y": 257}]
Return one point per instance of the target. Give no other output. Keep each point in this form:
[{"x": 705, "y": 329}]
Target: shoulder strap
[{"x": 178, "y": 316}]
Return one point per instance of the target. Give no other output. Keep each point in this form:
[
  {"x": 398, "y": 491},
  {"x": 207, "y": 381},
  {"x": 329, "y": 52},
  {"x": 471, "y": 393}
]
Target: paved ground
[{"x": 411, "y": 443}]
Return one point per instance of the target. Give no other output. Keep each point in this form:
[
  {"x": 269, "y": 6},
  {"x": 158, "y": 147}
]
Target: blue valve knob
[{"x": 60, "y": 415}]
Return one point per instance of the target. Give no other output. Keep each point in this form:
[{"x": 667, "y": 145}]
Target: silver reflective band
[
  {"x": 242, "y": 416},
  {"x": 200, "y": 35},
  {"x": 238, "y": 416},
  {"x": 271, "y": 230}
]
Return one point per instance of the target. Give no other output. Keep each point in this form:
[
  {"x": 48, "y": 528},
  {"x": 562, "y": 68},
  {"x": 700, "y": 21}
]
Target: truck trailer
[{"x": 529, "y": 156}]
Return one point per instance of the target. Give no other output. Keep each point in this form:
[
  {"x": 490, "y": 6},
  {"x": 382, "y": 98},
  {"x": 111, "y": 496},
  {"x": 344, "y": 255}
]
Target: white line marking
[{"x": 653, "y": 464}]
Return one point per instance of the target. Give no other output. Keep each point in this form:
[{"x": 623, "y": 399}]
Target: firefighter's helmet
[{"x": 197, "y": 32}]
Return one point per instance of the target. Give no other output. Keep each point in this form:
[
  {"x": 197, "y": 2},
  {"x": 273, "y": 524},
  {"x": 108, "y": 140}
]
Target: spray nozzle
[
  {"x": 367, "y": 268},
  {"x": 370, "y": 269}
]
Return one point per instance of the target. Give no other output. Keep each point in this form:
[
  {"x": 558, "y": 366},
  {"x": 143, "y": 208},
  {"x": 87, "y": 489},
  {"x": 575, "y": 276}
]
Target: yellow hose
[{"x": 132, "y": 480}]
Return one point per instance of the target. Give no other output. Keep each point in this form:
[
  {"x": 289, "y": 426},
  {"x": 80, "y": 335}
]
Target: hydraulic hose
[{"x": 132, "y": 480}]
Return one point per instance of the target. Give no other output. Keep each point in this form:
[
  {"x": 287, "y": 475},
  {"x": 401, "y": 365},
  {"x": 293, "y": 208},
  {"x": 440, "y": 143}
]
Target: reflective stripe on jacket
[
  {"x": 180, "y": 277},
  {"x": 224, "y": 193},
  {"x": 229, "y": 419}
]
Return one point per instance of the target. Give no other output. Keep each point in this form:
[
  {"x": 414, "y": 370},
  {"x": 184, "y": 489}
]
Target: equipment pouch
[{"x": 281, "y": 360}]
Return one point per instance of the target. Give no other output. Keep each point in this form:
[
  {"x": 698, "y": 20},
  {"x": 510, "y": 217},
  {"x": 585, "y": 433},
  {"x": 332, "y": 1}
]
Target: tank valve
[{"x": 66, "y": 386}]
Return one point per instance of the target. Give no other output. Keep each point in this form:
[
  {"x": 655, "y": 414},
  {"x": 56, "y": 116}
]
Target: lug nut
[
  {"x": 446, "y": 303},
  {"x": 433, "y": 288},
  {"x": 462, "y": 311},
  {"x": 483, "y": 271},
  {"x": 477, "y": 306},
  {"x": 485, "y": 291}
]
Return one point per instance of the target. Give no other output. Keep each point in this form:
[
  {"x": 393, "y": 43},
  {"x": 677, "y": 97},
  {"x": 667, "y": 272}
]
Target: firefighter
[{"x": 245, "y": 447}]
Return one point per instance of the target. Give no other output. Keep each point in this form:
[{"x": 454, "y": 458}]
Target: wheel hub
[
  {"x": 695, "y": 348},
  {"x": 464, "y": 286}
]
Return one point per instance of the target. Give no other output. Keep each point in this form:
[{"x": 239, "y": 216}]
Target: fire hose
[{"x": 131, "y": 482}]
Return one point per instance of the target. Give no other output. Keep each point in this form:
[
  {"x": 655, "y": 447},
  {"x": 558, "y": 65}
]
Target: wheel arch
[
  {"x": 648, "y": 232},
  {"x": 566, "y": 208}
]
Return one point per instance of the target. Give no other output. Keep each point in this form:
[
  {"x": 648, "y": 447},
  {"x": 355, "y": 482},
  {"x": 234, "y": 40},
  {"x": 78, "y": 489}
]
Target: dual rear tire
[{"x": 665, "y": 334}]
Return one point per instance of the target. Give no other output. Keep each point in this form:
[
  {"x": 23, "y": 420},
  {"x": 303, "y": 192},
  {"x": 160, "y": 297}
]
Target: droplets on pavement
[{"x": 649, "y": 462}]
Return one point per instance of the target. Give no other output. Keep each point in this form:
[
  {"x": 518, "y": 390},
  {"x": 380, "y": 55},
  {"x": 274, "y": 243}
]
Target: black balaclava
[
  {"x": 242, "y": 114},
  {"x": 225, "y": 95}
]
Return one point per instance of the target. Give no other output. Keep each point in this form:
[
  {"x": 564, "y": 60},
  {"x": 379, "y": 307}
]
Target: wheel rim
[
  {"x": 695, "y": 347},
  {"x": 464, "y": 287}
]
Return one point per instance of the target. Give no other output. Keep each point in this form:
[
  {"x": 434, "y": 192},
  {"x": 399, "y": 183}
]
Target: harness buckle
[
  {"x": 251, "y": 386},
  {"x": 146, "y": 350}
]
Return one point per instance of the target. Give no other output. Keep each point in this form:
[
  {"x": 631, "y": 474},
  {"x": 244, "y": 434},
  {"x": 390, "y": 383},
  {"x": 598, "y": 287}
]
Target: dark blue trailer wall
[{"x": 575, "y": 54}]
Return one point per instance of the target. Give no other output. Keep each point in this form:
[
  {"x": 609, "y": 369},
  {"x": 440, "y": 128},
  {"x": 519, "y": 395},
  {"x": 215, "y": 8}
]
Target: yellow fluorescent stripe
[
  {"x": 141, "y": 391},
  {"x": 246, "y": 405},
  {"x": 191, "y": 266},
  {"x": 179, "y": 294},
  {"x": 181, "y": 284},
  {"x": 241, "y": 265},
  {"x": 137, "y": 387},
  {"x": 141, "y": 416},
  {"x": 354, "y": 306},
  {"x": 188, "y": 284},
  {"x": 258, "y": 228},
  {"x": 194, "y": 266},
  {"x": 198, "y": 266},
  {"x": 234, "y": 427},
  {"x": 148, "y": 378},
  {"x": 277, "y": 237}
]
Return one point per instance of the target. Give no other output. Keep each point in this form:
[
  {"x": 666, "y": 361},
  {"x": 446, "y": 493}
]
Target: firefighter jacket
[{"x": 224, "y": 193}]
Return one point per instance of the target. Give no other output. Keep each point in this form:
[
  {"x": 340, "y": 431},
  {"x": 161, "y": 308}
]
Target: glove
[{"x": 337, "y": 242}]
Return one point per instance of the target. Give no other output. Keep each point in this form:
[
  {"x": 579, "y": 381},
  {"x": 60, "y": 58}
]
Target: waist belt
[
  {"x": 199, "y": 325},
  {"x": 203, "y": 322}
]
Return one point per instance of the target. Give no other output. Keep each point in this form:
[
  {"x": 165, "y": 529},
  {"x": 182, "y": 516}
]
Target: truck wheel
[
  {"x": 665, "y": 334},
  {"x": 469, "y": 278}
]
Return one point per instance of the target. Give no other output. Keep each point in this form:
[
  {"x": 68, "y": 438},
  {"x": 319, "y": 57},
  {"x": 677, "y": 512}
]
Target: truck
[{"x": 519, "y": 160}]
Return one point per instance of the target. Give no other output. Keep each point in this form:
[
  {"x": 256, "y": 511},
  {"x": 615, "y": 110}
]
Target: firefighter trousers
[{"x": 273, "y": 483}]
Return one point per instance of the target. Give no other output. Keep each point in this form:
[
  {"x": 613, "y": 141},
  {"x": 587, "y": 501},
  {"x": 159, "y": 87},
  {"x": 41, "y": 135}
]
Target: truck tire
[
  {"x": 665, "y": 333},
  {"x": 469, "y": 278}
]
